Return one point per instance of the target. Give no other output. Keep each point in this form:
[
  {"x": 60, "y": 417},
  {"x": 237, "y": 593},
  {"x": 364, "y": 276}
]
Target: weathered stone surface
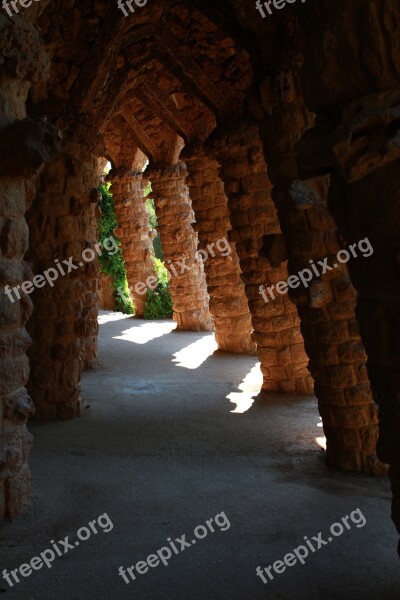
[
  {"x": 18, "y": 406},
  {"x": 134, "y": 232},
  {"x": 327, "y": 306},
  {"x": 65, "y": 336},
  {"x": 26, "y": 145},
  {"x": 180, "y": 242},
  {"x": 228, "y": 302},
  {"x": 253, "y": 217},
  {"x": 106, "y": 297}
]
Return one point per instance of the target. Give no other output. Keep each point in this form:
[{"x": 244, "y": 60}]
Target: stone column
[
  {"x": 253, "y": 217},
  {"x": 179, "y": 241},
  {"x": 25, "y": 144},
  {"x": 63, "y": 225},
  {"x": 359, "y": 147},
  {"x": 133, "y": 231},
  {"x": 327, "y": 306},
  {"x": 228, "y": 301}
]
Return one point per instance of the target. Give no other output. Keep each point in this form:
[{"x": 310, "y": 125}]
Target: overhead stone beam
[
  {"x": 139, "y": 135},
  {"x": 186, "y": 69},
  {"x": 154, "y": 97},
  {"x": 169, "y": 51},
  {"x": 215, "y": 11},
  {"x": 98, "y": 63}
]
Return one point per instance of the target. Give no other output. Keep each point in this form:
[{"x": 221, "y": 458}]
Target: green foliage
[
  {"x": 158, "y": 247},
  {"x": 159, "y": 302},
  {"x": 113, "y": 264},
  {"x": 153, "y": 223},
  {"x": 152, "y": 213}
]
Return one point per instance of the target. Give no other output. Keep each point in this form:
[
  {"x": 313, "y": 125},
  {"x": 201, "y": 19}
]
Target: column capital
[
  {"x": 162, "y": 171},
  {"x": 121, "y": 174}
]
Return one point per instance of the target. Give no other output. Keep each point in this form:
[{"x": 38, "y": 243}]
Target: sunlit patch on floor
[
  {"x": 321, "y": 441},
  {"x": 107, "y": 317},
  {"x": 250, "y": 388},
  {"x": 196, "y": 354},
  {"x": 145, "y": 333}
]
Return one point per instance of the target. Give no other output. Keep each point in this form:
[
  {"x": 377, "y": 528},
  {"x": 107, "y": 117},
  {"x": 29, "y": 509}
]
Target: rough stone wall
[
  {"x": 179, "y": 241},
  {"x": 133, "y": 231},
  {"x": 228, "y": 301},
  {"x": 253, "y": 217},
  {"x": 106, "y": 299},
  {"x": 63, "y": 224}
]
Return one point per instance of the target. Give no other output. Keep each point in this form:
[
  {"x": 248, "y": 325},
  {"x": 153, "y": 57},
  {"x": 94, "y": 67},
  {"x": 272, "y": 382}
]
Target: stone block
[
  {"x": 12, "y": 197},
  {"x": 351, "y": 352},
  {"x": 19, "y": 492},
  {"x": 14, "y": 373},
  {"x": 341, "y": 376},
  {"x": 359, "y": 395},
  {"x": 14, "y": 238},
  {"x": 18, "y": 406},
  {"x": 14, "y": 343},
  {"x": 11, "y": 455},
  {"x": 320, "y": 294}
]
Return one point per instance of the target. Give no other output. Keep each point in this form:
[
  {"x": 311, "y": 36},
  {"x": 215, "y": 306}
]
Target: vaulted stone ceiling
[{"x": 169, "y": 81}]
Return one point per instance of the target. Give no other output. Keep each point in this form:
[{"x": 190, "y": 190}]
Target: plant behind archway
[{"x": 113, "y": 265}]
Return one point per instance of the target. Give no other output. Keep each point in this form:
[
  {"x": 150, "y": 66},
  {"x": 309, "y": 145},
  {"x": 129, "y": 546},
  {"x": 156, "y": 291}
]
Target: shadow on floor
[{"x": 161, "y": 452}]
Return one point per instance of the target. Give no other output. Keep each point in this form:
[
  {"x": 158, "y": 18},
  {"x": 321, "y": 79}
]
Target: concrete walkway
[{"x": 169, "y": 439}]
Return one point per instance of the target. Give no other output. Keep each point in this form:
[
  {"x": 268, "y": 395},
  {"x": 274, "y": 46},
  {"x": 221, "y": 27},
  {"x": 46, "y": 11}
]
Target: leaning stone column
[
  {"x": 327, "y": 306},
  {"x": 253, "y": 217},
  {"x": 228, "y": 302},
  {"x": 133, "y": 231},
  {"x": 179, "y": 241}
]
